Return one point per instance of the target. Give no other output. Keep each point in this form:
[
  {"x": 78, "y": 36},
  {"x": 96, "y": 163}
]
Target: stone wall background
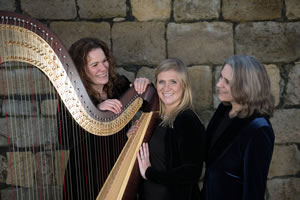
[{"x": 203, "y": 33}]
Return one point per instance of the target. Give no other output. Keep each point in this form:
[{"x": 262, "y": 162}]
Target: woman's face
[
  {"x": 169, "y": 88},
  {"x": 223, "y": 84},
  {"x": 97, "y": 67}
]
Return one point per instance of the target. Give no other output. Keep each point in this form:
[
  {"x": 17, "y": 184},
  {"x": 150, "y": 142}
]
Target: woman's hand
[
  {"x": 143, "y": 159},
  {"x": 113, "y": 105},
  {"x": 133, "y": 129},
  {"x": 140, "y": 85}
]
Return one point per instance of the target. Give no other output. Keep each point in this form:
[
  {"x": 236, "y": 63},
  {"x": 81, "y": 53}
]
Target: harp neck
[{"x": 24, "y": 39}]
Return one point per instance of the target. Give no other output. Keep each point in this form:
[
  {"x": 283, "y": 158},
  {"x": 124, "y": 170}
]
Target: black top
[
  {"x": 91, "y": 157},
  {"x": 176, "y": 172},
  {"x": 158, "y": 159},
  {"x": 238, "y": 160}
]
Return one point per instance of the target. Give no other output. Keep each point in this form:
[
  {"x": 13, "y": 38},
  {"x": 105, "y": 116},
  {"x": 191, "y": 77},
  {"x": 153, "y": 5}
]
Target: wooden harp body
[{"x": 27, "y": 48}]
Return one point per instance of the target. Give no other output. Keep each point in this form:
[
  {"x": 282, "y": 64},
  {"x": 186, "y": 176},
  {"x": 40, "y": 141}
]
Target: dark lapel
[{"x": 225, "y": 137}]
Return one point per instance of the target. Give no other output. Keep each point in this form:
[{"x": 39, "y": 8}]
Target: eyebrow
[{"x": 94, "y": 63}]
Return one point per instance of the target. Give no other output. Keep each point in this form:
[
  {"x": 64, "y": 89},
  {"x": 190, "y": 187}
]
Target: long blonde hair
[
  {"x": 186, "y": 102},
  {"x": 250, "y": 87}
]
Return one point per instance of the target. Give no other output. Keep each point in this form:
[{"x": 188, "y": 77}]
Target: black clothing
[
  {"x": 182, "y": 153},
  {"x": 238, "y": 156},
  {"x": 152, "y": 190},
  {"x": 91, "y": 157}
]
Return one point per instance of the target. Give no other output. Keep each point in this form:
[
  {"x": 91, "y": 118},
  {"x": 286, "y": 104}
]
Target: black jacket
[
  {"x": 185, "y": 153},
  {"x": 237, "y": 157}
]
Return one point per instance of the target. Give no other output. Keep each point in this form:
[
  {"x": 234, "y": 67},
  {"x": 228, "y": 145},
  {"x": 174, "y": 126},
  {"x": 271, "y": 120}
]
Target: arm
[
  {"x": 257, "y": 160},
  {"x": 187, "y": 155},
  {"x": 114, "y": 105}
]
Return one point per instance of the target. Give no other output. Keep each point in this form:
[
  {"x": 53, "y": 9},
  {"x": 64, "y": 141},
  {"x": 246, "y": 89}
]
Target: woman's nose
[
  {"x": 166, "y": 86},
  {"x": 101, "y": 67}
]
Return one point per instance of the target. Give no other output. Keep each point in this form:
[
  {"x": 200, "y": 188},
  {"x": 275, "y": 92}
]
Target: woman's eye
[{"x": 173, "y": 82}]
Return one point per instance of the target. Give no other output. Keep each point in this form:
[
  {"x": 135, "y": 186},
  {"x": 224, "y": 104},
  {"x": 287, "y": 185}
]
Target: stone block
[
  {"x": 32, "y": 81},
  {"x": 139, "y": 43},
  {"x": 292, "y": 9},
  {"x": 200, "y": 43},
  {"x": 286, "y": 126},
  {"x": 288, "y": 188},
  {"x": 145, "y": 10},
  {"x": 3, "y": 138},
  {"x": 49, "y": 192},
  {"x": 24, "y": 81},
  {"x": 70, "y": 32},
  {"x": 30, "y": 131},
  {"x": 8, "y": 86},
  {"x": 49, "y": 107},
  {"x": 205, "y": 116},
  {"x": 285, "y": 161},
  {"x": 61, "y": 161},
  {"x": 23, "y": 107},
  {"x": 293, "y": 86},
  {"x": 21, "y": 169},
  {"x": 185, "y": 10},
  {"x": 50, "y": 9},
  {"x": 95, "y": 9},
  {"x": 127, "y": 74},
  {"x": 147, "y": 72},
  {"x": 217, "y": 73},
  {"x": 201, "y": 80},
  {"x": 3, "y": 168},
  {"x": 44, "y": 173},
  {"x": 245, "y": 10},
  {"x": 7, "y": 5},
  {"x": 274, "y": 75},
  {"x": 270, "y": 42}
]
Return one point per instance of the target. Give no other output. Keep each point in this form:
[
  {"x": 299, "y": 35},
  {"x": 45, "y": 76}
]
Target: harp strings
[{"x": 37, "y": 158}]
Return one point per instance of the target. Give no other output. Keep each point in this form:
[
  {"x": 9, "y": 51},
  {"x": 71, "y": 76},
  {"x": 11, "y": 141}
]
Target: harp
[{"x": 35, "y": 166}]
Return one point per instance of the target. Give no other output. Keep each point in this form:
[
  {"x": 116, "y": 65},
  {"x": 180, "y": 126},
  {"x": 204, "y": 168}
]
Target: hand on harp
[
  {"x": 133, "y": 129},
  {"x": 143, "y": 157}
]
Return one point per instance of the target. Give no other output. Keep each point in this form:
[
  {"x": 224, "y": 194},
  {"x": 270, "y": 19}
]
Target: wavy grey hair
[{"x": 250, "y": 86}]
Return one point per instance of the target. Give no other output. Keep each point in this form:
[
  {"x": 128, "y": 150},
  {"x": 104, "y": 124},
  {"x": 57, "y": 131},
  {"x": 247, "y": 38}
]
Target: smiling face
[
  {"x": 97, "y": 67},
  {"x": 170, "y": 89},
  {"x": 223, "y": 84}
]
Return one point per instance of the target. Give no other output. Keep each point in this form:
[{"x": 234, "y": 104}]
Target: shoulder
[
  {"x": 120, "y": 86},
  {"x": 260, "y": 129},
  {"x": 122, "y": 80},
  {"x": 187, "y": 118},
  {"x": 186, "y": 114}
]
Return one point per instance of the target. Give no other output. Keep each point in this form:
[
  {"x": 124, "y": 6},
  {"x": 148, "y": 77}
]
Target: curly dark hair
[{"x": 79, "y": 52}]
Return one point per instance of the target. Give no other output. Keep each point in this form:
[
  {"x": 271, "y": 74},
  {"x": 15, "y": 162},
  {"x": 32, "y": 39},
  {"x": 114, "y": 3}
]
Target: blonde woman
[{"x": 171, "y": 164}]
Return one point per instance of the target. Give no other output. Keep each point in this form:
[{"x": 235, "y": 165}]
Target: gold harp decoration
[
  {"x": 20, "y": 44},
  {"x": 23, "y": 39}
]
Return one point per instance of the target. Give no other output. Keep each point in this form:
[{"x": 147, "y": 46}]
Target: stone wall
[{"x": 203, "y": 33}]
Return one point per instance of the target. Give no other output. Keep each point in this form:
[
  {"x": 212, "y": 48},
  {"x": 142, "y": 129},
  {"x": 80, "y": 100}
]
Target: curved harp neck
[{"x": 32, "y": 42}]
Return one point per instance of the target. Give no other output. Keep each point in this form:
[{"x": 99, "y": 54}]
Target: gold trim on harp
[
  {"x": 22, "y": 45},
  {"x": 115, "y": 185}
]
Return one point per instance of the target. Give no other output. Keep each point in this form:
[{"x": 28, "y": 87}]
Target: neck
[
  {"x": 99, "y": 89},
  {"x": 235, "y": 109},
  {"x": 168, "y": 110}
]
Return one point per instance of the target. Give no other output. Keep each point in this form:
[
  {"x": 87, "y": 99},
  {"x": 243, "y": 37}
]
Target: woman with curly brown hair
[{"x": 92, "y": 157}]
